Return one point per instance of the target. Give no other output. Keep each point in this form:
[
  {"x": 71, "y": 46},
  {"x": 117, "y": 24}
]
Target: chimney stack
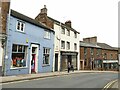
[
  {"x": 91, "y": 40},
  {"x": 43, "y": 18},
  {"x": 5, "y": 6},
  {"x": 68, "y": 23}
]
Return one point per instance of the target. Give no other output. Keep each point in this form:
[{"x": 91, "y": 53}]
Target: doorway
[
  {"x": 34, "y": 59},
  {"x": 56, "y": 62},
  {"x": 70, "y": 59}
]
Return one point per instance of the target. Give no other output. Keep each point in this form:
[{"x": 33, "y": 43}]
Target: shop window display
[{"x": 18, "y": 56}]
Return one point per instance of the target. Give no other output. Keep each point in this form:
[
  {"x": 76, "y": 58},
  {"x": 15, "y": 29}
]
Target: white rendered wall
[{"x": 64, "y": 37}]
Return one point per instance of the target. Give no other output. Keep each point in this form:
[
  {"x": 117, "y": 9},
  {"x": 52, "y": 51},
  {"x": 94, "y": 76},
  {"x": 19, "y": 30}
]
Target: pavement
[{"x": 6, "y": 79}]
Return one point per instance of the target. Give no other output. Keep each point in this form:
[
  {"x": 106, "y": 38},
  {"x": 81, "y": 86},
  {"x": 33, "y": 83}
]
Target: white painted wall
[
  {"x": 64, "y": 37},
  {"x": 1, "y": 52}
]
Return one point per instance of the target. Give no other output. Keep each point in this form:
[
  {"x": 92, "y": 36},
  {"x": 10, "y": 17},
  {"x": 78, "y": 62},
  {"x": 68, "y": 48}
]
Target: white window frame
[
  {"x": 68, "y": 32},
  {"x": 62, "y": 30},
  {"x": 75, "y": 46},
  {"x": 75, "y": 34},
  {"x": 62, "y": 44},
  {"x": 46, "y": 52},
  {"x": 21, "y": 22},
  {"x": 68, "y": 45},
  {"x": 47, "y": 34}
]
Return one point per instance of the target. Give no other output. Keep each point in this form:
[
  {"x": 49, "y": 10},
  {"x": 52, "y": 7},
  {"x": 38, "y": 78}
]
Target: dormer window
[{"x": 20, "y": 26}]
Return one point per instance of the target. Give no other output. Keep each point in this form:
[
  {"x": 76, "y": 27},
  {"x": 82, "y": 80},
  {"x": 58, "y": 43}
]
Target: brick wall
[
  {"x": 109, "y": 52},
  {"x": 90, "y": 40},
  {"x": 5, "y": 10},
  {"x": 82, "y": 53},
  {"x": 88, "y": 56},
  {"x": 43, "y": 18}
]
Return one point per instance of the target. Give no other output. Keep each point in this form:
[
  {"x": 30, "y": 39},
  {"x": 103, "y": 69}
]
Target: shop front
[
  {"x": 110, "y": 64},
  {"x": 68, "y": 57},
  {"x": 98, "y": 64}
]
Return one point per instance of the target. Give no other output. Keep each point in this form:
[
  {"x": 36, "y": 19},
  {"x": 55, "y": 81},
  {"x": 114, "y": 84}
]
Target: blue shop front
[{"x": 30, "y": 46}]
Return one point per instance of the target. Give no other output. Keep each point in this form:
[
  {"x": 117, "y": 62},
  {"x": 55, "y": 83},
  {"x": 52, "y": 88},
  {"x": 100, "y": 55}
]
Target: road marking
[{"x": 109, "y": 84}]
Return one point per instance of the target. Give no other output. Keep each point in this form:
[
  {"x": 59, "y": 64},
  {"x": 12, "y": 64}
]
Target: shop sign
[
  {"x": 110, "y": 61},
  {"x": 69, "y": 53}
]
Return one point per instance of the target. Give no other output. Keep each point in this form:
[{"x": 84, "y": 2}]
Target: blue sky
[{"x": 89, "y": 17}]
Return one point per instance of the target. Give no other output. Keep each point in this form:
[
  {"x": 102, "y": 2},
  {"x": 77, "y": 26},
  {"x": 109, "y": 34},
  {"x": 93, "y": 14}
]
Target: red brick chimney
[
  {"x": 68, "y": 23},
  {"x": 42, "y": 18},
  {"x": 90, "y": 40}
]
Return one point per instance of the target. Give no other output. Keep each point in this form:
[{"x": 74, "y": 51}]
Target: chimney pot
[
  {"x": 68, "y": 23},
  {"x": 44, "y": 10}
]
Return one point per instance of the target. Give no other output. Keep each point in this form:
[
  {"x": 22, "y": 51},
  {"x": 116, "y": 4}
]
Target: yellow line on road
[{"x": 109, "y": 84}]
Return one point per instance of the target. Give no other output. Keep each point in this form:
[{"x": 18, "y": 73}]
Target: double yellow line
[{"x": 109, "y": 84}]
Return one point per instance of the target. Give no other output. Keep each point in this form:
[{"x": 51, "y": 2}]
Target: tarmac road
[{"x": 82, "y": 80}]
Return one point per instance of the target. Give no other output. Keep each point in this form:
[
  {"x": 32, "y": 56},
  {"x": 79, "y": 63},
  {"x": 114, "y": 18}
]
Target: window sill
[
  {"x": 12, "y": 68},
  {"x": 47, "y": 38},
  {"x": 45, "y": 65},
  {"x": 20, "y": 32}
]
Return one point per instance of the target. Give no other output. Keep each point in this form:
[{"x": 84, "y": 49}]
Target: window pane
[
  {"x": 18, "y": 60},
  {"x": 22, "y": 26},
  {"x": 63, "y": 30},
  {"x": 44, "y": 51},
  {"x": 75, "y": 35},
  {"x": 18, "y": 26},
  {"x": 19, "y": 48},
  {"x": 24, "y": 48},
  {"x": 68, "y": 45},
  {"x": 62, "y": 44},
  {"x": 68, "y": 32},
  {"x": 33, "y": 49},
  {"x": 75, "y": 46},
  {"x": 14, "y": 48}
]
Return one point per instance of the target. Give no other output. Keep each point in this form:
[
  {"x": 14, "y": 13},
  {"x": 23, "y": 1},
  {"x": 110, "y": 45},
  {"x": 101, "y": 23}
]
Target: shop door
[
  {"x": 56, "y": 62},
  {"x": 34, "y": 58},
  {"x": 33, "y": 63},
  {"x": 70, "y": 59}
]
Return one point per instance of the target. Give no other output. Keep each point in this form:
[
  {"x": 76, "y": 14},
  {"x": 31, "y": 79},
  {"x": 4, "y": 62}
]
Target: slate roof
[
  {"x": 97, "y": 45},
  {"x": 85, "y": 44},
  {"x": 28, "y": 19},
  {"x": 62, "y": 24},
  {"x": 106, "y": 46}
]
